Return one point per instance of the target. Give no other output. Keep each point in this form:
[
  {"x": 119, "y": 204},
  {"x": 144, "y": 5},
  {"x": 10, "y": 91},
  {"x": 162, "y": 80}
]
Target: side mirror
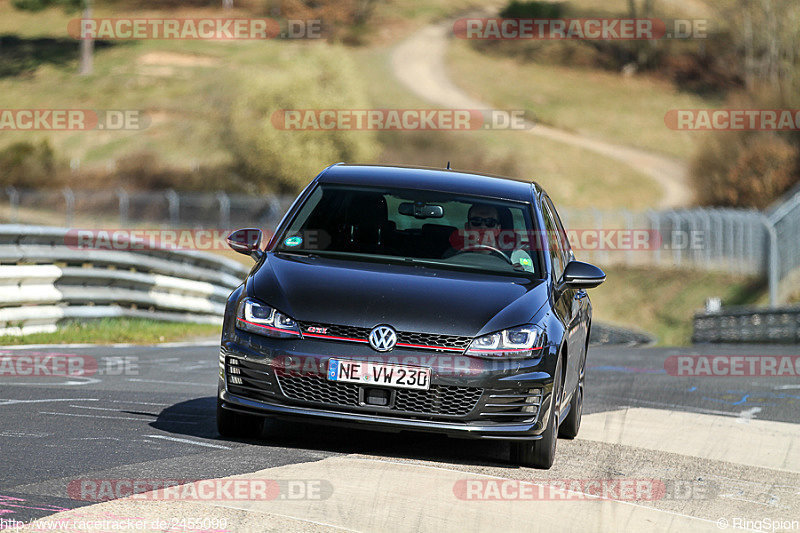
[
  {"x": 580, "y": 275},
  {"x": 246, "y": 241}
]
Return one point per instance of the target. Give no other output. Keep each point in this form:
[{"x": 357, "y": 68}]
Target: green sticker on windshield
[
  {"x": 524, "y": 261},
  {"x": 293, "y": 241}
]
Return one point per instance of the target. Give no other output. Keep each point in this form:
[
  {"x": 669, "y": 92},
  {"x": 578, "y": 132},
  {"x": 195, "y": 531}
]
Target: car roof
[{"x": 441, "y": 180}]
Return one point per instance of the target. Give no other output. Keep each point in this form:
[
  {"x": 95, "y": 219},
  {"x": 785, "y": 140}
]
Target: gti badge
[{"x": 382, "y": 338}]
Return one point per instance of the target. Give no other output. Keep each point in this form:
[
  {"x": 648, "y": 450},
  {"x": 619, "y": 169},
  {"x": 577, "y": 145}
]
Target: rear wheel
[
  {"x": 541, "y": 453},
  {"x": 572, "y": 423},
  {"x": 241, "y": 425}
]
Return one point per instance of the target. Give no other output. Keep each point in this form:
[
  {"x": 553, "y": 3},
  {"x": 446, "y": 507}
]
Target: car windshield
[{"x": 424, "y": 227}]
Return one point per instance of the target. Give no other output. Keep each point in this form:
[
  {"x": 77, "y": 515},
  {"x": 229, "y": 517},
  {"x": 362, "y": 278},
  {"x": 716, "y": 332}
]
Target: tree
[
  {"x": 767, "y": 39},
  {"x": 87, "y": 44}
]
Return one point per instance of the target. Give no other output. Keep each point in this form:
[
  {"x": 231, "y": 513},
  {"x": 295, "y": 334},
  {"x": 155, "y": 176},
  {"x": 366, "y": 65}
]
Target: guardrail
[
  {"x": 44, "y": 279},
  {"x": 745, "y": 324}
]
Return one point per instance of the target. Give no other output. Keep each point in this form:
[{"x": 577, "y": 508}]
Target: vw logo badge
[{"x": 382, "y": 338}]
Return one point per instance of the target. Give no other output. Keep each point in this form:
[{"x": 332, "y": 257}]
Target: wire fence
[
  {"x": 738, "y": 241},
  {"x": 120, "y": 208}
]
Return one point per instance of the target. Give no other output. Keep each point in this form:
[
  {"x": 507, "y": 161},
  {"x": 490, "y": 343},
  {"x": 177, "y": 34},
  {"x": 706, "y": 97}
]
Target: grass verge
[
  {"x": 663, "y": 301},
  {"x": 116, "y": 330},
  {"x": 626, "y": 110}
]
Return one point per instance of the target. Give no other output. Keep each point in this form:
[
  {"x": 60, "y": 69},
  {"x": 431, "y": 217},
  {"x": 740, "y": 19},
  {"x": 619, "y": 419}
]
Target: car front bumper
[{"x": 468, "y": 397}]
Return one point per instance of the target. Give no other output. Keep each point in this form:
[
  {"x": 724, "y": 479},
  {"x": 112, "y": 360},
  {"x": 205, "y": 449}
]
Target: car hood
[{"x": 407, "y": 297}]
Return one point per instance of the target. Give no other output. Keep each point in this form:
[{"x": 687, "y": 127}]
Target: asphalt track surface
[{"x": 735, "y": 442}]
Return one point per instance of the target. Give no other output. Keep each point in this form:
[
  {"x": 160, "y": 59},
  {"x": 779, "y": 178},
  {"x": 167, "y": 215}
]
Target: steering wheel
[{"x": 491, "y": 249}]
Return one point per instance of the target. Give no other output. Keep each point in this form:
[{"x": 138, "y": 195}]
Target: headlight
[
  {"x": 255, "y": 317},
  {"x": 522, "y": 341}
]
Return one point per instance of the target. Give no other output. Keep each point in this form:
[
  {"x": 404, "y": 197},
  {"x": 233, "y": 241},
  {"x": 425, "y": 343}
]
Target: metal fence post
[
  {"x": 13, "y": 199},
  {"x": 224, "y": 210},
  {"x": 706, "y": 237},
  {"x": 69, "y": 203},
  {"x": 655, "y": 227},
  {"x": 124, "y": 204},
  {"x": 629, "y": 228},
  {"x": 674, "y": 231},
  {"x": 174, "y": 207},
  {"x": 772, "y": 269},
  {"x": 597, "y": 255}
]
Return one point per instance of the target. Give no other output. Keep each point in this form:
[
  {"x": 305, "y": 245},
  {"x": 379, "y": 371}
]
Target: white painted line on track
[
  {"x": 671, "y": 406},
  {"x": 138, "y": 380},
  {"x": 21, "y": 435},
  {"x": 12, "y": 402},
  {"x": 135, "y": 403},
  {"x": 96, "y": 408},
  {"x": 20, "y": 383},
  {"x": 181, "y": 344},
  {"x": 188, "y": 441},
  {"x": 748, "y": 414},
  {"x": 94, "y": 416}
]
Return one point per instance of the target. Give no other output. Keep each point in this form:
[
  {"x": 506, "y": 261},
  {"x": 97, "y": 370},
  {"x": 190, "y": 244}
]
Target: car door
[
  {"x": 580, "y": 298},
  {"x": 570, "y": 301}
]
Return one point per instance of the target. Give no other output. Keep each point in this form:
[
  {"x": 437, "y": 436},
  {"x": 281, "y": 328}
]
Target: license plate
[{"x": 368, "y": 373}]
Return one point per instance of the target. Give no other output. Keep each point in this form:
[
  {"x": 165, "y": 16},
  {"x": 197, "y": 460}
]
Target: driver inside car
[{"x": 484, "y": 230}]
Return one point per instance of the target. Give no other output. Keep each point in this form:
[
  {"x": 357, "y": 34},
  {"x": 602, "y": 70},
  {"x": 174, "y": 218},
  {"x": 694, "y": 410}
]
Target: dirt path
[{"x": 419, "y": 63}]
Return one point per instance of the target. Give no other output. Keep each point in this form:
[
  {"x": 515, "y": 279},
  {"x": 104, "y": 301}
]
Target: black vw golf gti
[{"x": 412, "y": 299}]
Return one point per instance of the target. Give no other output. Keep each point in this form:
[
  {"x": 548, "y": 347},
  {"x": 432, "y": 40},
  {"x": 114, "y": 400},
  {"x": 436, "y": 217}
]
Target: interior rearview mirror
[
  {"x": 421, "y": 210},
  {"x": 246, "y": 241}
]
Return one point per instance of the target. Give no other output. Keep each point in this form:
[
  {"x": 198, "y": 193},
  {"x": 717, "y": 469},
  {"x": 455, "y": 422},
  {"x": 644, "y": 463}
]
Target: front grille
[
  {"x": 438, "y": 400},
  {"x": 455, "y": 401},
  {"x": 427, "y": 340},
  {"x": 432, "y": 339},
  {"x": 319, "y": 390},
  {"x": 349, "y": 332}
]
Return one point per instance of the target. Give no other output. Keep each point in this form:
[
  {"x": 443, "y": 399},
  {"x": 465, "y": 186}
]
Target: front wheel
[
  {"x": 572, "y": 423},
  {"x": 541, "y": 453},
  {"x": 237, "y": 425}
]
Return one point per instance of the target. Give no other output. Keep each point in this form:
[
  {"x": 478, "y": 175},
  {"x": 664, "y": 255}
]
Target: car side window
[
  {"x": 562, "y": 233},
  {"x": 553, "y": 245}
]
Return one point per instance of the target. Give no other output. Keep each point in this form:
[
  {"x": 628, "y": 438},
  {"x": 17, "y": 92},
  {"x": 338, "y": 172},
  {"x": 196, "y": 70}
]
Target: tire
[
  {"x": 572, "y": 423},
  {"x": 541, "y": 453},
  {"x": 237, "y": 425}
]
